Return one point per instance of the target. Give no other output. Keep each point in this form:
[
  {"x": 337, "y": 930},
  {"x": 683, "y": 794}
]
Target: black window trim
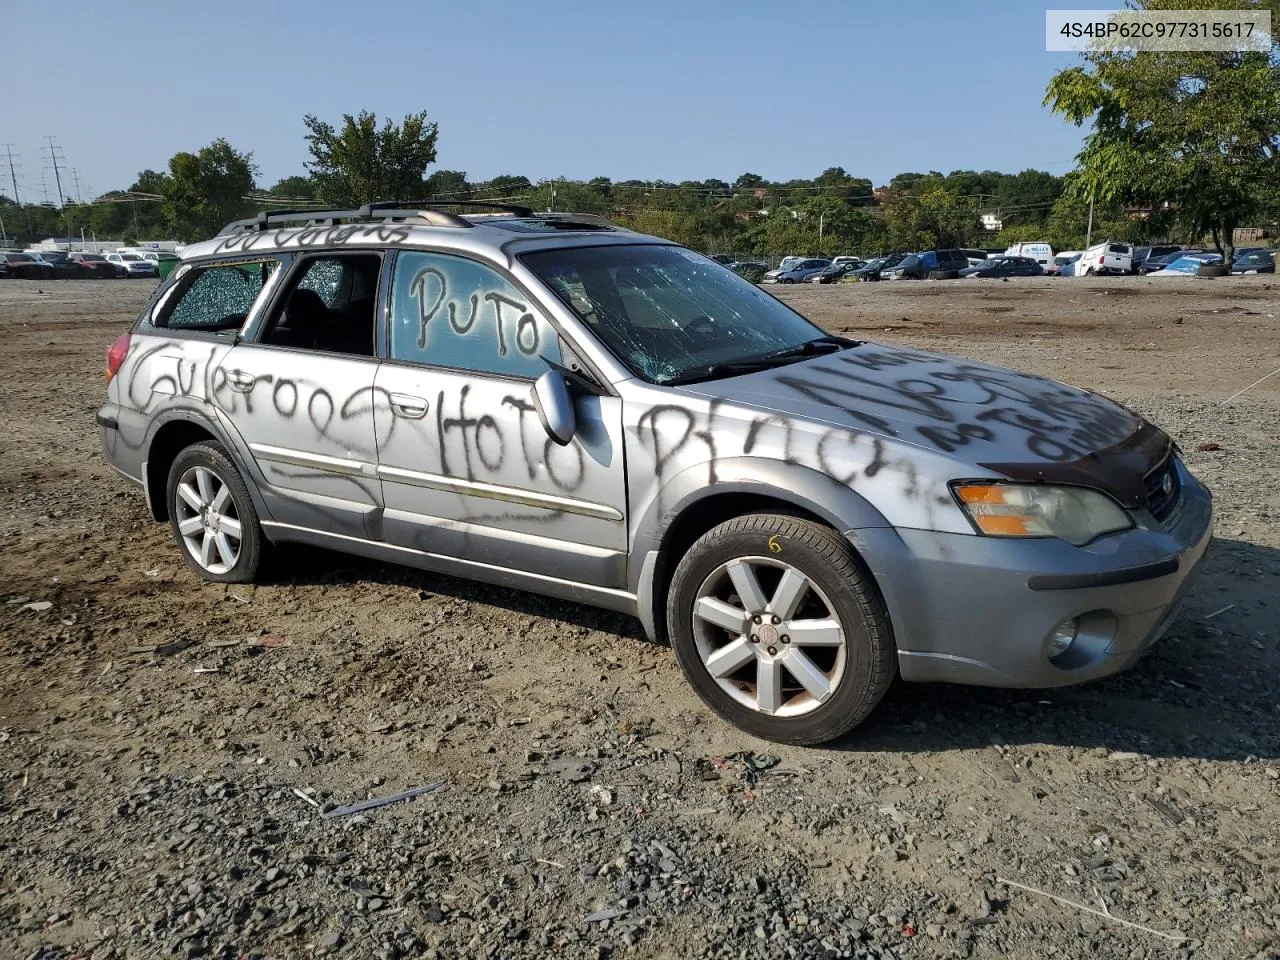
[
  {"x": 601, "y": 385},
  {"x": 178, "y": 278},
  {"x": 254, "y": 329}
]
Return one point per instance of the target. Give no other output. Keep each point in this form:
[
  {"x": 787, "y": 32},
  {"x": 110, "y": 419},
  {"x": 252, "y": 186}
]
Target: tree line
[{"x": 1182, "y": 146}]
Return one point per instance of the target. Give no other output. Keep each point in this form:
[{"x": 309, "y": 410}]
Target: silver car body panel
[{"x": 452, "y": 471}]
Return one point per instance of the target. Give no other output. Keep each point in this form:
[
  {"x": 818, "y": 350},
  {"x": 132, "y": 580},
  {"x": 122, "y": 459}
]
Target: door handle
[
  {"x": 240, "y": 381},
  {"x": 407, "y": 405}
]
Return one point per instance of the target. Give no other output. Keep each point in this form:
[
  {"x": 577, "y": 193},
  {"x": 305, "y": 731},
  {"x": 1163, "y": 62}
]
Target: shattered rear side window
[{"x": 220, "y": 297}]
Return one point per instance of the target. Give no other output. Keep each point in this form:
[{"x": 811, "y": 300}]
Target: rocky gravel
[{"x": 177, "y": 757}]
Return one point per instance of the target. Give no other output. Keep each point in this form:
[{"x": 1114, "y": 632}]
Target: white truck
[{"x": 1105, "y": 258}]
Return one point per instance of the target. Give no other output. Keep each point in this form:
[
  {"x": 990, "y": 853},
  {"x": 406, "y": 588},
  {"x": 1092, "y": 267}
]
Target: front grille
[{"x": 1162, "y": 487}]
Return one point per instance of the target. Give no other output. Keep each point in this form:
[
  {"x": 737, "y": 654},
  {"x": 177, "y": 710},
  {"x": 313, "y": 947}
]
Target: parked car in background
[
  {"x": 132, "y": 265},
  {"x": 1069, "y": 268},
  {"x": 1060, "y": 260},
  {"x": 1254, "y": 260},
  {"x": 836, "y": 272},
  {"x": 1156, "y": 264},
  {"x": 1105, "y": 258},
  {"x": 64, "y": 268},
  {"x": 1003, "y": 266},
  {"x": 721, "y": 258},
  {"x": 877, "y": 273},
  {"x": 1188, "y": 264},
  {"x": 974, "y": 256},
  {"x": 802, "y": 272},
  {"x": 23, "y": 266},
  {"x": 94, "y": 265},
  {"x": 1040, "y": 252},
  {"x": 789, "y": 262},
  {"x": 805, "y": 517},
  {"x": 869, "y": 270},
  {"x": 1142, "y": 254},
  {"x": 848, "y": 259},
  {"x": 928, "y": 265},
  {"x": 752, "y": 270}
]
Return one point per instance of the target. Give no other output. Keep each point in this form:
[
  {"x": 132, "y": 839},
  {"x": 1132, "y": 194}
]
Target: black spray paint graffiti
[
  {"x": 527, "y": 335},
  {"x": 966, "y": 402},
  {"x": 667, "y": 430},
  {"x": 484, "y": 441},
  {"x": 316, "y": 236}
]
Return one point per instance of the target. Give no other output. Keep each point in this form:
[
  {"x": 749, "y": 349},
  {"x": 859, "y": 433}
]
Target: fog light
[{"x": 1064, "y": 634}]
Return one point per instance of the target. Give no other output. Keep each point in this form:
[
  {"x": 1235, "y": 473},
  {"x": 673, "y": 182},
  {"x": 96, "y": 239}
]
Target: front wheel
[
  {"x": 779, "y": 629},
  {"x": 212, "y": 515}
]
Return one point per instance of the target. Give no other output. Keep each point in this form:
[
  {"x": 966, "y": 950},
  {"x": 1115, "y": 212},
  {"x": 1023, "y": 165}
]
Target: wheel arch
[
  {"x": 173, "y": 434},
  {"x": 687, "y": 506}
]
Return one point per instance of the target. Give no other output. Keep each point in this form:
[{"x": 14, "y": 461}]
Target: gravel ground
[{"x": 168, "y": 748}]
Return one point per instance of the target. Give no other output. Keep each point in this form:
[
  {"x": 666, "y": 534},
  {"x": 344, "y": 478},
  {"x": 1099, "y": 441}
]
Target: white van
[
  {"x": 1104, "y": 258},
  {"x": 1041, "y": 253}
]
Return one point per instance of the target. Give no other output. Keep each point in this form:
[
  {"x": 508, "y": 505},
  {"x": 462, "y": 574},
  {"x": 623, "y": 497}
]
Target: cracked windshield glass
[{"x": 671, "y": 315}]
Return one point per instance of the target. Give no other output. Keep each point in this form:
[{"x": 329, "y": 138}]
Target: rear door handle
[
  {"x": 408, "y": 406},
  {"x": 240, "y": 381}
]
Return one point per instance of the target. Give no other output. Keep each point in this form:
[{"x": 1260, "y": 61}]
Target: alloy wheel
[
  {"x": 769, "y": 636},
  {"x": 207, "y": 520}
]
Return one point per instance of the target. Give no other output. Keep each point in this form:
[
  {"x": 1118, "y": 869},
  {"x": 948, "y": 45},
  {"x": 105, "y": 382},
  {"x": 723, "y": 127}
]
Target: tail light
[
  {"x": 1101, "y": 261},
  {"x": 116, "y": 354}
]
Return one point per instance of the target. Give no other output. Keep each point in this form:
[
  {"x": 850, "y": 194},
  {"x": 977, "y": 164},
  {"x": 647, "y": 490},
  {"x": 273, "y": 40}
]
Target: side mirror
[{"x": 555, "y": 407}]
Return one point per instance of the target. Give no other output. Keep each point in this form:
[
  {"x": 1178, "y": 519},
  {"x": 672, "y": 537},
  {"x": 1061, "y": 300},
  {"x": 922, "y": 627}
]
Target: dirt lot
[{"x": 591, "y": 806}]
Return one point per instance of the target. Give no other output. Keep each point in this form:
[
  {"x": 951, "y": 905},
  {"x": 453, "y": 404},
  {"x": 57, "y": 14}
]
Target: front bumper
[{"x": 972, "y": 609}]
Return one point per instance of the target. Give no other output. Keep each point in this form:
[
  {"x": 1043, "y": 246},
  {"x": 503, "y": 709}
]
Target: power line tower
[
  {"x": 54, "y": 151},
  {"x": 13, "y": 181},
  {"x": 75, "y": 178}
]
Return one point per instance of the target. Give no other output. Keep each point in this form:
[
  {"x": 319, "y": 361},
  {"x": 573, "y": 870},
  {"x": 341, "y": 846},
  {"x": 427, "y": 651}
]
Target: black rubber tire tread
[
  {"x": 1213, "y": 270},
  {"x": 944, "y": 275},
  {"x": 825, "y": 557},
  {"x": 253, "y": 544}
]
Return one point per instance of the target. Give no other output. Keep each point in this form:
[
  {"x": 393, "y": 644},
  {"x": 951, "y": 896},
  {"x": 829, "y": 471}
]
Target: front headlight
[{"x": 1074, "y": 514}]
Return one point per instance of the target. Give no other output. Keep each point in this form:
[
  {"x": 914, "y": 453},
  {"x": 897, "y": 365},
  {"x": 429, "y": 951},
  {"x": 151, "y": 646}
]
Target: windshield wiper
[{"x": 730, "y": 368}]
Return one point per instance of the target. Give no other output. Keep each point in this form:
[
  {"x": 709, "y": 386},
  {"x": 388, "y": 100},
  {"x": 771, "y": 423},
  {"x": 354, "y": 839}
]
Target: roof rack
[{"x": 426, "y": 210}]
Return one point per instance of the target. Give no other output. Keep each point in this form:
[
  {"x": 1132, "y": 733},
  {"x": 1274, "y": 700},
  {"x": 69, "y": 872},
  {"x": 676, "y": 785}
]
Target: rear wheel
[
  {"x": 212, "y": 515},
  {"x": 779, "y": 629}
]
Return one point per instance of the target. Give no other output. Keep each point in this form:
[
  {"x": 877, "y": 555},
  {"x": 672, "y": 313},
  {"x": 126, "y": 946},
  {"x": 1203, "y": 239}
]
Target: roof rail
[{"x": 426, "y": 210}]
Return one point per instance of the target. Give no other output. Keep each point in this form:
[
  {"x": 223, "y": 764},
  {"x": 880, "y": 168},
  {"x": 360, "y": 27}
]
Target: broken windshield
[{"x": 668, "y": 313}]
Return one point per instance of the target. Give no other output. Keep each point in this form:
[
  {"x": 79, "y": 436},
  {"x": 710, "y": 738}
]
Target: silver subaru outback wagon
[{"x": 556, "y": 404}]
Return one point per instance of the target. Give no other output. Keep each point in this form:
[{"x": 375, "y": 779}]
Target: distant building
[{"x": 992, "y": 222}]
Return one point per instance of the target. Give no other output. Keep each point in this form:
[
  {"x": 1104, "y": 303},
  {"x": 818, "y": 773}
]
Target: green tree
[
  {"x": 362, "y": 163},
  {"x": 446, "y": 185},
  {"x": 929, "y": 214},
  {"x": 205, "y": 190},
  {"x": 294, "y": 188},
  {"x": 1200, "y": 130}
]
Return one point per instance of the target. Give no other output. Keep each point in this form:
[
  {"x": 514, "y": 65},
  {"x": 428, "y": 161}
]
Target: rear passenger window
[
  {"x": 217, "y": 297},
  {"x": 328, "y": 304},
  {"x": 454, "y": 312},
  {"x": 1117, "y": 248}
]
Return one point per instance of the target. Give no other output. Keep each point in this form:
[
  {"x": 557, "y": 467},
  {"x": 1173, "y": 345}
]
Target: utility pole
[
  {"x": 57, "y": 174},
  {"x": 1088, "y": 235},
  {"x": 75, "y": 176},
  {"x": 822, "y": 217},
  {"x": 13, "y": 179}
]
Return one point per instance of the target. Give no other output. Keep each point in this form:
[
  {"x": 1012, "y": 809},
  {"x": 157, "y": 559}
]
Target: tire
[
  {"x": 944, "y": 274},
  {"x": 1213, "y": 270},
  {"x": 210, "y": 477},
  {"x": 766, "y": 552}
]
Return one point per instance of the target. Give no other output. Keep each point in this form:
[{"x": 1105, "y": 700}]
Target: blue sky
[{"x": 670, "y": 90}]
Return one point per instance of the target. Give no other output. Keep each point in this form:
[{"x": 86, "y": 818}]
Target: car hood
[{"x": 1020, "y": 425}]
